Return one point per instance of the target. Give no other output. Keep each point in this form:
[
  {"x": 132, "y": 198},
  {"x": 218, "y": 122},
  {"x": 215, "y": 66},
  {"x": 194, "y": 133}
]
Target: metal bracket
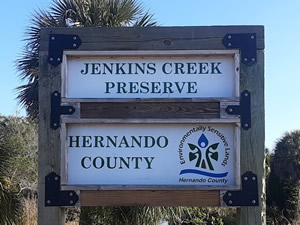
[
  {"x": 244, "y": 109},
  {"x": 246, "y": 42},
  {"x": 57, "y": 44},
  {"x": 54, "y": 196},
  {"x": 248, "y": 196},
  {"x": 57, "y": 110}
]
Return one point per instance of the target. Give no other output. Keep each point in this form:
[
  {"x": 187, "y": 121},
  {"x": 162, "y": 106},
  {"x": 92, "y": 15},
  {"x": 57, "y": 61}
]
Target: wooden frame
[{"x": 153, "y": 39}]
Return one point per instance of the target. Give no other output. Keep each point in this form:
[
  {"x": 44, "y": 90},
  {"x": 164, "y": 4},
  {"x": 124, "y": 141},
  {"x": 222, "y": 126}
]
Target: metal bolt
[
  {"x": 253, "y": 201},
  {"x": 54, "y": 124},
  {"x": 55, "y": 94},
  {"x": 246, "y": 94},
  {"x": 71, "y": 202},
  {"x": 48, "y": 201},
  {"x": 229, "y": 194},
  {"x": 52, "y": 38},
  {"x": 252, "y": 36},
  {"x": 253, "y": 178},
  {"x": 246, "y": 125},
  {"x": 245, "y": 59},
  {"x": 230, "y": 202},
  {"x": 74, "y": 38},
  {"x": 58, "y": 59},
  {"x": 229, "y": 44},
  {"x": 55, "y": 178},
  {"x": 253, "y": 59},
  {"x": 74, "y": 45},
  {"x": 229, "y": 36},
  {"x": 70, "y": 110},
  {"x": 167, "y": 42},
  {"x": 71, "y": 194},
  {"x": 230, "y": 110},
  {"x": 246, "y": 178},
  {"x": 51, "y": 59}
]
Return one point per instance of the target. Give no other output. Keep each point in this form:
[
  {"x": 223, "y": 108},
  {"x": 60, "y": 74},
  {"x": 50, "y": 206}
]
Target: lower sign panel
[{"x": 151, "y": 156}]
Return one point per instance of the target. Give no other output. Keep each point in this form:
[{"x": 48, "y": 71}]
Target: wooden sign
[
  {"x": 151, "y": 156},
  {"x": 151, "y": 74},
  {"x": 161, "y": 116}
]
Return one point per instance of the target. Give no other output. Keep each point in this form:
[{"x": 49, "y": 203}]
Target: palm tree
[
  {"x": 286, "y": 164},
  {"x": 287, "y": 156},
  {"x": 10, "y": 202},
  {"x": 71, "y": 13}
]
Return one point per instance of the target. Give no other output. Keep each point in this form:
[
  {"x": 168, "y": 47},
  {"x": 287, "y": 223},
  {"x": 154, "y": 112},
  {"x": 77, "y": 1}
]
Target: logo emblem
[{"x": 205, "y": 155}]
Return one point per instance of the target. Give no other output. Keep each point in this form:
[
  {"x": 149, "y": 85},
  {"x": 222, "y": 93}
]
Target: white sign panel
[
  {"x": 152, "y": 154},
  {"x": 177, "y": 74}
]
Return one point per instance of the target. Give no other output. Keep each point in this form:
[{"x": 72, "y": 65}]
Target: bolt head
[
  {"x": 229, "y": 194},
  {"x": 71, "y": 194},
  {"x": 246, "y": 94},
  {"x": 230, "y": 202},
  {"x": 55, "y": 94},
  {"x": 246, "y": 125},
  {"x": 71, "y": 202},
  {"x": 167, "y": 42},
  {"x": 51, "y": 59},
  {"x": 245, "y": 59},
  {"x": 253, "y": 178},
  {"x": 70, "y": 110},
  {"x": 229, "y": 44},
  {"x": 253, "y": 201},
  {"x": 253, "y": 59},
  {"x": 52, "y": 38},
  {"x": 54, "y": 124},
  {"x": 252, "y": 36},
  {"x": 230, "y": 110},
  {"x": 55, "y": 178},
  {"x": 58, "y": 59},
  {"x": 48, "y": 201},
  {"x": 74, "y": 45},
  {"x": 74, "y": 38},
  {"x": 246, "y": 178},
  {"x": 229, "y": 36}
]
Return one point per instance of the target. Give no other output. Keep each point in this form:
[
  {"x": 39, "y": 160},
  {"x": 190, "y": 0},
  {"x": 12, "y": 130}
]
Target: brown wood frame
[{"x": 155, "y": 38}]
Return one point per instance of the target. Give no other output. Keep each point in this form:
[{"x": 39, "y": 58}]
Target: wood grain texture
[
  {"x": 49, "y": 141},
  {"x": 202, "y": 110},
  {"x": 154, "y": 38},
  {"x": 252, "y": 140},
  {"x": 150, "y": 198}
]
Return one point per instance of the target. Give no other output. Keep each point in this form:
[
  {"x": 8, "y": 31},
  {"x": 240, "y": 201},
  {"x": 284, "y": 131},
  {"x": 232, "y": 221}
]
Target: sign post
[{"x": 168, "y": 116}]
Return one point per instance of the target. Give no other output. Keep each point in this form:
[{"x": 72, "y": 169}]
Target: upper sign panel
[{"x": 151, "y": 74}]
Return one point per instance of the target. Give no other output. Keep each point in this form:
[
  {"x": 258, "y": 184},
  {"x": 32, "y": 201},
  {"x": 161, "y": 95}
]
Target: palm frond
[
  {"x": 87, "y": 13},
  {"x": 28, "y": 97},
  {"x": 10, "y": 206},
  {"x": 10, "y": 203},
  {"x": 145, "y": 21}
]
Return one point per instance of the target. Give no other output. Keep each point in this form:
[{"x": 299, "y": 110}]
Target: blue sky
[{"x": 282, "y": 37}]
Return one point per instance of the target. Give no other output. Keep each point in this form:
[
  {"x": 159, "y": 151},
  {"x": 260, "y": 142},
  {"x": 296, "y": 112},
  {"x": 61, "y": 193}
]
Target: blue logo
[{"x": 201, "y": 156}]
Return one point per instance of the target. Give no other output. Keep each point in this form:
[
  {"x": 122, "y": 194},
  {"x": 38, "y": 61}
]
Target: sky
[{"x": 282, "y": 46}]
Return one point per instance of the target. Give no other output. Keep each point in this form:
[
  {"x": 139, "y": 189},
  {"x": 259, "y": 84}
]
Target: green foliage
[
  {"x": 71, "y": 13},
  {"x": 132, "y": 215},
  {"x": 200, "y": 216},
  {"x": 287, "y": 156},
  {"x": 21, "y": 139},
  {"x": 16, "y": 135},
  {"x": 282, "y": 200},
  {"x": 283, "y": 180}
]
